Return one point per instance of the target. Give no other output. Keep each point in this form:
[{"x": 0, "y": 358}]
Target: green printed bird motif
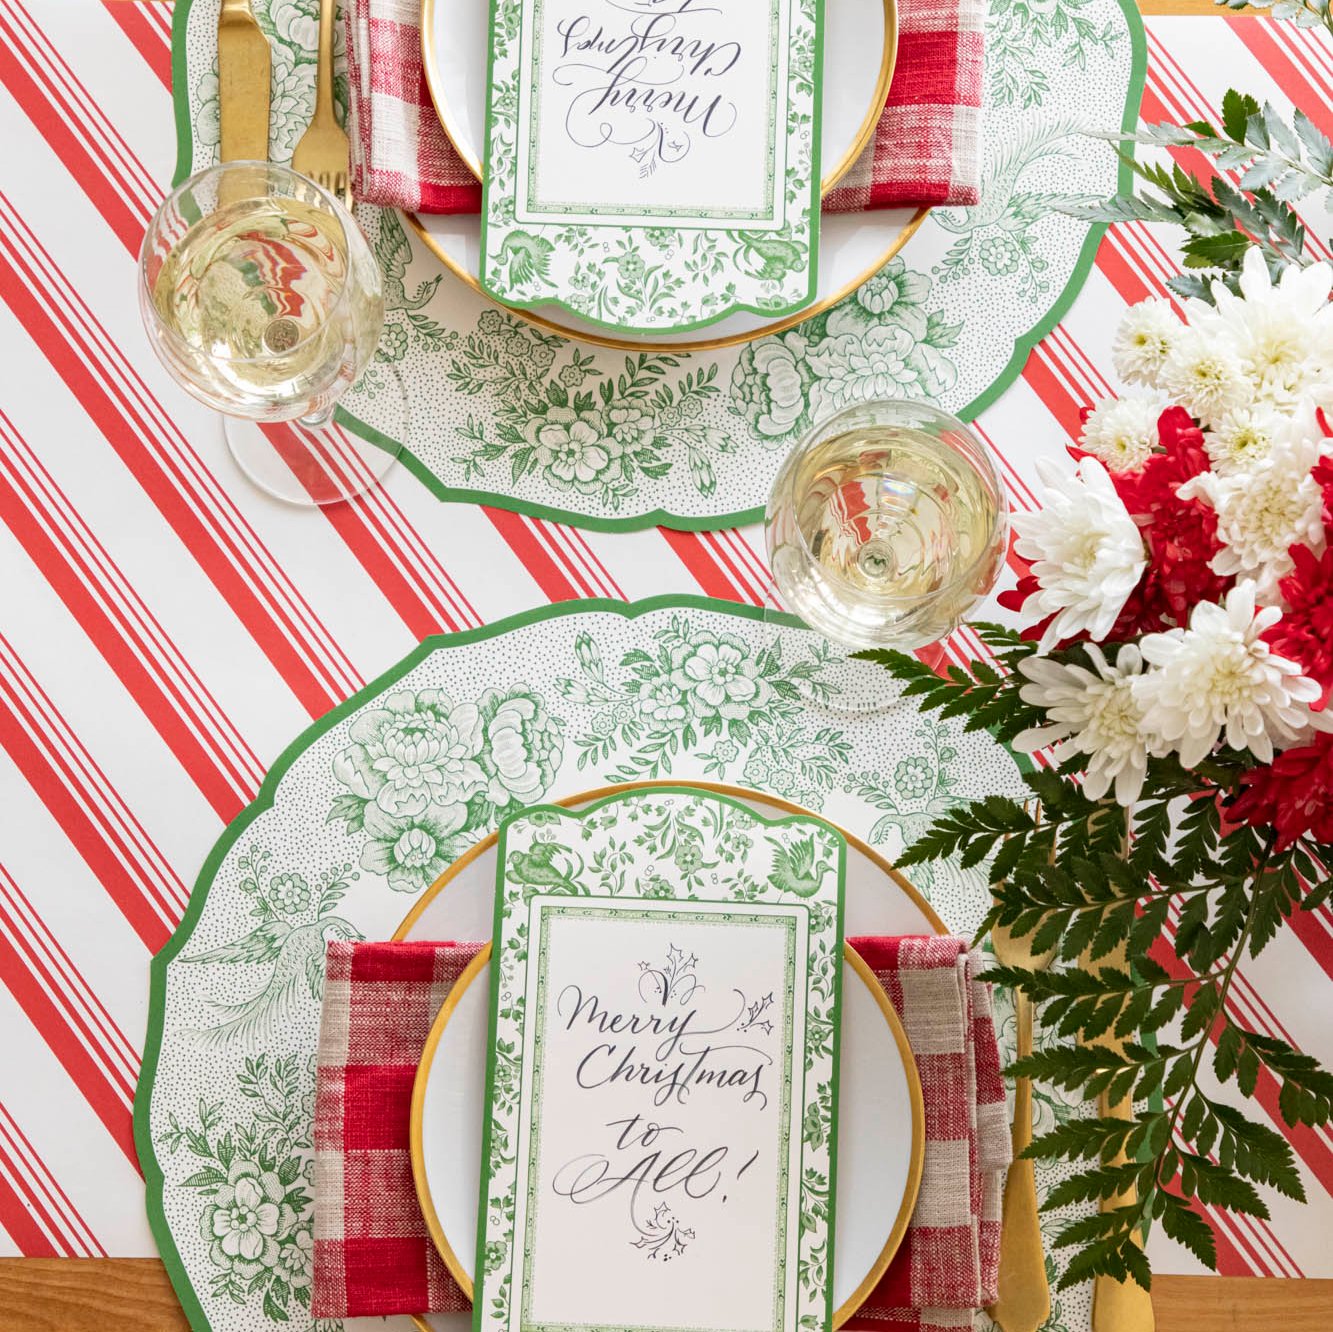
[
  {"x": 394, "y": 253},
  {"x": 547, "y": 865},
  {"x": 297, "y": 955},
  {"x": 528, "y": 257},
  {"x": 768, "y": 257},
  {"x": 797, "y": 868}
]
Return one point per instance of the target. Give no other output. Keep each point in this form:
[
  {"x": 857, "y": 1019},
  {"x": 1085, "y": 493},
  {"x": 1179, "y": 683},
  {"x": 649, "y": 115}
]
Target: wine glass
[
  {"x": 262, "y": 298},
  {"x": 887, "y": 523}
]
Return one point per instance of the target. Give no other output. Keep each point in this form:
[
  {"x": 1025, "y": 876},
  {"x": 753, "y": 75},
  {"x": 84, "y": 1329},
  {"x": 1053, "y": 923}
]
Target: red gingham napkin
[
  {"x": 372, "y": 1252},
  {"x": 401, "y": 156},
  {"x": 950, "y": 1258},
  {"x": 926, "y": 149}
]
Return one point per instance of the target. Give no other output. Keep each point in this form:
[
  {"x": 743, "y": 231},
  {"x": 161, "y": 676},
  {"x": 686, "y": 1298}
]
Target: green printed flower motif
[
  {"x": 423, "y": 771},
  {"x": 770, "y": 384},
  {"x": 861, "y": 359},
  {"x": 413, "y": 752},
  {"x": 998, "y": 254},
  {"x": 720, "y": 677},
  {"x": 523, "y": 746},
  {"x": 247, "y": 1218},
  {"x": 898, "y": 294},
  {"x": 662, "y": 702},
  {"x": 914, "y": 777},
  {"x": 289, "y": 893},
  {"x": 575, "y": 449},
  {"x": 411, "y": 851},
  {"x": 296, "y": 1259}
]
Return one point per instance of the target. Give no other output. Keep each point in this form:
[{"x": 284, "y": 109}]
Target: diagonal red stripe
[
  {"x": 106, "y": 1101},
  {"x": 58, "y": 123},
  {"x": 146, "y": 37},
  {"x": 18, "y": 1217},
  {"x": 707, "y": 572},
  {"x": 84, "y": 835},
  {"x": 125, "y": 428},
  {"x": 535, "y": 558}
]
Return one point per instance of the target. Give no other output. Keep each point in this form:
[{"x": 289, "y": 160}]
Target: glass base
[
  {"x": 842, "y": 687},
  {"x": 311, "y": 467}
]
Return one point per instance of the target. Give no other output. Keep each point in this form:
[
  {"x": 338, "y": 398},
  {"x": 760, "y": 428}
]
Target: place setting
[{"x": 869, "y": 954}]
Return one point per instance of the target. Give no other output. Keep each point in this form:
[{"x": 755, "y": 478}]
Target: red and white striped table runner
[{"x": 165, "y": 631}]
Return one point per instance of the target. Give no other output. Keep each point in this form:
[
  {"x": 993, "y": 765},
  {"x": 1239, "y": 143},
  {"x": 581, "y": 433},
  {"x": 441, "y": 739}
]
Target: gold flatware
[
  {"x": 244, "y": 72},
  {"x": 1117, "y": 1306},
  {"x": 324, "y": 153},
  {"x": 1024, "y": 1300}
]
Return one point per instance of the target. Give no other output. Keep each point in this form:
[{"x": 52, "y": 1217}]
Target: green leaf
[{"x": 1237, "y": 108}]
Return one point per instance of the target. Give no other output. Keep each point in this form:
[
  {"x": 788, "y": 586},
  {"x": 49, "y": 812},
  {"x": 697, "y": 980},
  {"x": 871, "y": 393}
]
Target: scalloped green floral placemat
[
  {"x": 366, "y": 808},
  {"x": 506, "y": 414}
]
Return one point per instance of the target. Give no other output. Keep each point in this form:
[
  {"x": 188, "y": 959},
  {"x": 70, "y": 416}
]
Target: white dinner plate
[
  {"x": 880, "y": 1135},
  {"x": 852, "y": 246}
]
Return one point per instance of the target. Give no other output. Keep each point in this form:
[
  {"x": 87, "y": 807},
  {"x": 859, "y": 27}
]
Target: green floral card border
[
  {"x": 604, "y": 862},
  {"x": 569, "y": 254},
  {"x": 506, "y": 414}
]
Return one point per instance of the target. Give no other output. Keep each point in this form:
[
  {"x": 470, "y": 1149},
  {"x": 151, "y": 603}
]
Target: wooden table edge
[{"x": 134, "y": 1295}]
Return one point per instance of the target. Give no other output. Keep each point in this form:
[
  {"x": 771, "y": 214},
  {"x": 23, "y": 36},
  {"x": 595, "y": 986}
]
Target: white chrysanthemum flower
[
  {"x": 1122, "y": 432},
  {"x": 1262, "y": 513},
  {"x": 1205, "y": 377},
  {"x": 1281, "y": 335},
  {"x": 1098, "y": 714},
  {"x": 1242, "y": 438},
  {"x": 1147, "y": 335},
  {"x": 1219, "y": 677},
  {"x": 1085, "y": 551}
]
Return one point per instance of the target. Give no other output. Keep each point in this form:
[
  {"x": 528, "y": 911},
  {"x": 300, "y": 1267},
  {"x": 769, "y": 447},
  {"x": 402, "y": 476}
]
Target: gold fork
[
  {"x": 1023, "y": 1303},
  {"x": 324, "y": 153}
]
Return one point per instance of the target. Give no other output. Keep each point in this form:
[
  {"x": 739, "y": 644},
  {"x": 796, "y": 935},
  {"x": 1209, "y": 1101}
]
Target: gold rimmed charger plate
[
  {"x": 719, "y": 343},
  {"x": 478, "y": 849}
]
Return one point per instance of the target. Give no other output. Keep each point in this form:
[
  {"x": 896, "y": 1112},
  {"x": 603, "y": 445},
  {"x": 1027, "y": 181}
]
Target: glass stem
[{"x": 318, "y": 420}]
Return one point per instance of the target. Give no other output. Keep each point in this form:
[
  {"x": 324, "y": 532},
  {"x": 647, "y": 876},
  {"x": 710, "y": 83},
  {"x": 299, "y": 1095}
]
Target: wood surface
[{"x": 133, "y": 1295}]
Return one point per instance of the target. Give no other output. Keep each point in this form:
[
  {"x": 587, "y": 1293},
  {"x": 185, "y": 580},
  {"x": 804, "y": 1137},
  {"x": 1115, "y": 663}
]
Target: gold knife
[
  {"x": 244, "y": 73},
  {"x": 1117, "y": 1306}
]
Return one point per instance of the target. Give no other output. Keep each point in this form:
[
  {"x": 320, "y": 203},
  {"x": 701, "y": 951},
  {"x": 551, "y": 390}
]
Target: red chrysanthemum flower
[
  {"x": 1304, "y": 634},
  {"x": 1293, "y": 794},
  {"x": 1181, "y": 535}
]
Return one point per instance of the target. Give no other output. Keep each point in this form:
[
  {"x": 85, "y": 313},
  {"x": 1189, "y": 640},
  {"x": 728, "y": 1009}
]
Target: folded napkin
[
  {"x": 949, "y": 1261},
  {"x": 374, "y": 1256},
  {"x": 926, "y": 148},
  {"x": 401, "y": 156}
]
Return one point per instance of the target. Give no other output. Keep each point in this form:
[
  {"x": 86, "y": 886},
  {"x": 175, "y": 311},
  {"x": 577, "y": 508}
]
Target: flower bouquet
[{"x": 1173, "y": 683}]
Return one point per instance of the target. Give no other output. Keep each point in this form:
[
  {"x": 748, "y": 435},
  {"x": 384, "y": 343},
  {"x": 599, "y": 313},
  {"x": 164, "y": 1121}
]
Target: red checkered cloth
[
  {"x": 926, "y": 149},
  {"x": 373, "y": 1254},
  {"x": 949, "y": 1261},
  {"x": 401, "y": 156}
]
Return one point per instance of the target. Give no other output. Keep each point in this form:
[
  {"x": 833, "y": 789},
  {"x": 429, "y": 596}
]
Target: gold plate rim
[
  {"x": 858, "y": 964},
  {"x": 854, "y": 150}
]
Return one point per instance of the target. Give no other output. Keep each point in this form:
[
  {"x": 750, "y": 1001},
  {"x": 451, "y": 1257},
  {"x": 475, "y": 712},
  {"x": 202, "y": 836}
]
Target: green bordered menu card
[
  {"x": 653, "y": 165},
  {"x": 662, "y": 1109}
]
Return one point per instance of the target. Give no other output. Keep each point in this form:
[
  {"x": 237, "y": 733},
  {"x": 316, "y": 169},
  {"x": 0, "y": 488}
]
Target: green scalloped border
[
  {"x": 1023, "y": 345},
  {"x": 154, "y": 1178}
]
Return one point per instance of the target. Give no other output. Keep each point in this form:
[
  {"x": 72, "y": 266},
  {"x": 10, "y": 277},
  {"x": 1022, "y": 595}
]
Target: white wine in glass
[
  {"x": 886, "y": 525},
  {"x": 263, "y": 299}
]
